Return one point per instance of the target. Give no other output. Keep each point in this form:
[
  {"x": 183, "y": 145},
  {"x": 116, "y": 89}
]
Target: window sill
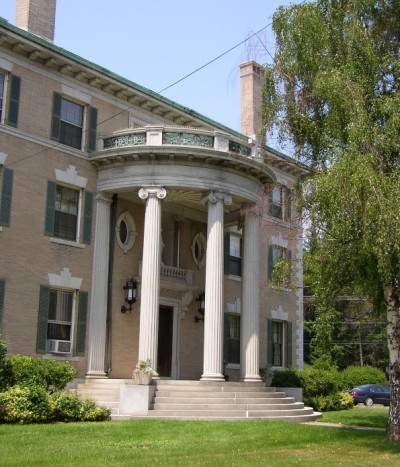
[
  {"x": 67, "y": 242},
  {"x": 51, "y": 356},
  {"x": 234, "y": 278}
]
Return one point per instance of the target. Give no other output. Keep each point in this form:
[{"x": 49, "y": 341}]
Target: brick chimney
[
  {"x": 251, "y": 81},
  {"x": 37, "y": 17}
]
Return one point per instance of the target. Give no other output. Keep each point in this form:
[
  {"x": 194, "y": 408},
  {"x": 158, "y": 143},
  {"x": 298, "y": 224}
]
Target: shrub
[
  {"x": 4, "y": 366},
  {"x": 70, "y": 407},
  {"x": 26, "y": 405},
  {"x": 330, "y": 402},
  {"x": 318, "y": 382},
  {"x": 28, "y": 371},
  {"x": 56, "y": 373},
  {"x": 287, "y": 378},
  {"x": 355, "y": 375}
]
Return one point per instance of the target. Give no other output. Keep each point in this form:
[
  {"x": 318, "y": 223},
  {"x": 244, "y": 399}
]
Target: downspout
[{"x": 113, "y": 221}]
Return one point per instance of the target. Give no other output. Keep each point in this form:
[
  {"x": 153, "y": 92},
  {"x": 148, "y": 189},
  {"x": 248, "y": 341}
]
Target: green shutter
[
  {"x": 288, "y": 204},
  {"x": 2, "y": 292},
  {"x": 81, "y": 327},
  {"x": 270, "y": 341},
  {"x": 6, "y": 194},
  {"x": 87, "y": 217},
  {"x": 289, "y": 258},
  {"x": 289, "y": 344},
  {"x": 44, "y": 302},
  {"x": 56, "y": 117},
  {"x": 226, "y": 252},
  {"x": 50, "y": 208},
  {"x": 226, "y": 337},
  {"x": 270, "y": 261},
  {"x": 13, "y": 107},
  {"x": 92, "y": 129}
]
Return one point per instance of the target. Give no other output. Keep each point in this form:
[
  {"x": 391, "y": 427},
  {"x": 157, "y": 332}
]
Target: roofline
[{"x": 126, "y": 82}]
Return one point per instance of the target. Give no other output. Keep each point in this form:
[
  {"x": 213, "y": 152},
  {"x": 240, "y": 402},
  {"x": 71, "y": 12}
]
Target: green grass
[
  {"x": 187, "y": 443},
  {"x": 376, "y": 416}
]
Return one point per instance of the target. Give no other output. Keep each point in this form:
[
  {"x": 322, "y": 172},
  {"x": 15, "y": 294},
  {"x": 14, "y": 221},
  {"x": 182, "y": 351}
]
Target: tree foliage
[{"x": 333, "y": 90}]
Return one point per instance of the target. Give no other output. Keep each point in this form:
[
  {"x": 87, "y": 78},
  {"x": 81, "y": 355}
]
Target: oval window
[
  {"x": 199, "y": 249},
  {"x": 126, "y": 231}
]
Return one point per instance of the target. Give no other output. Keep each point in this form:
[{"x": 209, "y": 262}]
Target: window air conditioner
[{"x": 56, "y": 346}]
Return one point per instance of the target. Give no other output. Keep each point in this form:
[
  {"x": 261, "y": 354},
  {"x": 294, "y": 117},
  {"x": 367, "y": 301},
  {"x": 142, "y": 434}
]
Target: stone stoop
[
  {"x": 201, "y": 400},
  {"x": 226, "y": 401}
]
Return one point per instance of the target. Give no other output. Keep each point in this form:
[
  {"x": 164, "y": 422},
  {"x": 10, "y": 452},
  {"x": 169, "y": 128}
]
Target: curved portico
[{"x": 211, "y": 174}]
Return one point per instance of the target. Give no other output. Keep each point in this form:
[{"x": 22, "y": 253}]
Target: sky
[{"x": 157, "y": 43}]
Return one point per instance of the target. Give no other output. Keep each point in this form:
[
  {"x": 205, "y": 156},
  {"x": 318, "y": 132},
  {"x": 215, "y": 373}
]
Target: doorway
[{"x": 165, "y": 341}]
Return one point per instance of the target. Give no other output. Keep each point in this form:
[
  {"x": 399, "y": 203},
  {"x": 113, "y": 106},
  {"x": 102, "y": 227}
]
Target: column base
[
  {"x": 252, "y": 379},
  {"x": 212, "y": 377}
]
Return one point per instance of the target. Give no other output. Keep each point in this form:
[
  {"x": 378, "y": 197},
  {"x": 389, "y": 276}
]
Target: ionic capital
[
  {"x": 157, "y": 191},
  {"x": 217, "y": 197}
]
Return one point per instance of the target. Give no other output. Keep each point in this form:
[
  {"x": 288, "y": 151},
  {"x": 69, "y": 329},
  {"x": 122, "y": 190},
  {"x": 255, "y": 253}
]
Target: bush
[
  {"x": 318, "y": 382},
  {"x": 356, "y": 375},
  {"x": 26, "y": 405},
  {"x": 287, "y": 378},
  {"x": 4, "y": 366},
  {"x": 28, "y": 371},
  {"x": 330, "y": 402},
  {"x": 70, "y": 407}
]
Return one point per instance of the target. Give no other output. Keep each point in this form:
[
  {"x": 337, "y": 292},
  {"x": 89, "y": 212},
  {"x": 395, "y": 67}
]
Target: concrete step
[
  {"x": 207, "y": 389},
  {"x": 227, "y": 407},
  {"x": 216, "y": 394},
  {"x": 223, "y": 400}
]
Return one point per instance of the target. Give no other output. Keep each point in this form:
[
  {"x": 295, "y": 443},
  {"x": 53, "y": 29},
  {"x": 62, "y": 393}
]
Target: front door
[{"x": 165, "y": 334}]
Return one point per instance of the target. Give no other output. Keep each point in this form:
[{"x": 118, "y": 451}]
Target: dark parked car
[{"x": 371, "y": 393}]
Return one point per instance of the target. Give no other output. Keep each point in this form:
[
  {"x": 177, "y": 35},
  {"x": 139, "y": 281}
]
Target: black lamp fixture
[
  {"x": 201, "y": 307},
  {"x": 130, "y": 288}
]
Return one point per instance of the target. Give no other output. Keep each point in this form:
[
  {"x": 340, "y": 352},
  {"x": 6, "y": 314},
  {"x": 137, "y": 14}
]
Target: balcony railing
[
  {"x": 175, "y": 136},
  {"x": 173, "y": 274}
]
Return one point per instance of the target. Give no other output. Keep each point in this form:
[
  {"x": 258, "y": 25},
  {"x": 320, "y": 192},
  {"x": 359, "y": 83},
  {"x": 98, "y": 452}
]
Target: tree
[{"x": 333, "y": 90}]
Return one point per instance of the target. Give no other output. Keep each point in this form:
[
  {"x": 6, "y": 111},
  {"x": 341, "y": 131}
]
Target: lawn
[{"x": 157, "y": 442}]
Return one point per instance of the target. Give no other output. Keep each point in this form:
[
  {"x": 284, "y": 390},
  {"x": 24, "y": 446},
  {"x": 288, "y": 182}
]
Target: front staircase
[{"x": 203, "y": 400}]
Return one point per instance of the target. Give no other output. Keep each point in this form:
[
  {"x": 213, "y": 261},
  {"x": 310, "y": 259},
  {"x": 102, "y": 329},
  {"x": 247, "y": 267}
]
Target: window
[
  {"x": 13, "y": 90},
  {"x": 2, "y": 293},
  {"x": 65, "y": 213},
  {"x": 67, "y": 126},
  {"x": 279, "y": 343},
  {"x": 280, "y": 203},
  {"x": 61, "y": 321},
  {"x": 233, "y": 254},
  {"x": 279, "y": 265},
  {"x": 59, "y": 324},
  {"x": 232, "y": 338},
  {"x": 71, "y": 124}
]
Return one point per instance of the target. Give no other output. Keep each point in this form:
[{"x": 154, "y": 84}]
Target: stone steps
[{"x": 202, "y": 400}]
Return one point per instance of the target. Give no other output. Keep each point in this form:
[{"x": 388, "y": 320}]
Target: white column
[
  {"x": 214, "y": 292},
  {"x": 250, "y": 313},
  {"x": 98, "y": 300},
  {"x": 150, "y": 289}
]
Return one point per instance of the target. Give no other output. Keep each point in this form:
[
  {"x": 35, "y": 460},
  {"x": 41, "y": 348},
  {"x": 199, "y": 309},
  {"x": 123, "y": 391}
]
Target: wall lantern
[
  {"x": 201, "y": 307},
  {"x": 130, "y": 294}
]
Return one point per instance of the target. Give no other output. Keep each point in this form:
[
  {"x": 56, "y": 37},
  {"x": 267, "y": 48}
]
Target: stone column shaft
[
  {"x": 214, "y": 292},
  {"x": 249, "y": 335},
  {"x": 98, "y": 299},
  {"x": 150, "y": 289}
]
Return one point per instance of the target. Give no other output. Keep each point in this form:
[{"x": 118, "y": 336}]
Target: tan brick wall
[{"x": 37, "y": 17}]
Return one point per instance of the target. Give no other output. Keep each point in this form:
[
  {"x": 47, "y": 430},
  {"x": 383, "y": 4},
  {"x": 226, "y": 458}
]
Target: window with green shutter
[
  {"x": 62, "y": 316},
  {"x": 279, "y": 343},
  {"x": 67, "y": 123},
  {"x": 6, "y": 180},
  {"x": 64, "y": 210}
]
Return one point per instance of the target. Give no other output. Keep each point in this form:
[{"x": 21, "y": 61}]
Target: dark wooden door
[{"x": 165, "y": 330}]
